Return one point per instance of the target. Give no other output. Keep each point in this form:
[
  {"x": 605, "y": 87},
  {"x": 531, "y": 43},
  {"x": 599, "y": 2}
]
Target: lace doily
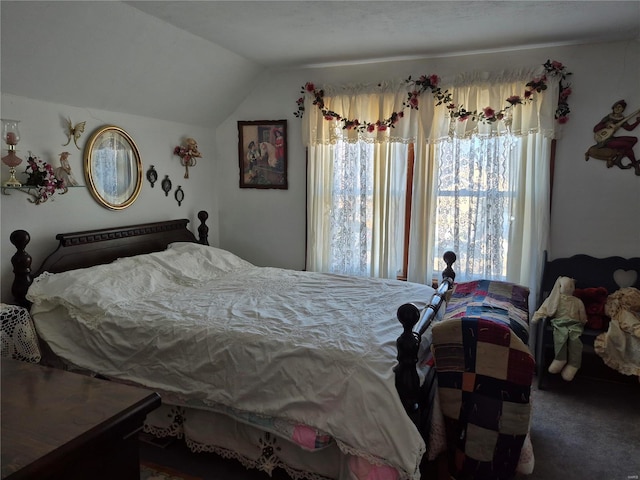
[{"x": 18, "y": 335}]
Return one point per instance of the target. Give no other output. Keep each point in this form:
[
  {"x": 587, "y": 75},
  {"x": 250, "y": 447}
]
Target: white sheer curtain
[
  {"x": 528, "y": 129},
  {"x": 474, "y": 204},
  {"x": 359, "y": 193},
  {"x": 357, "y": 183}
]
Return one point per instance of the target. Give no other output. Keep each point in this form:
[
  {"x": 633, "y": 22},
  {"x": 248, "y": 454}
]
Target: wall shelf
[{"x": 32, "y": 191}]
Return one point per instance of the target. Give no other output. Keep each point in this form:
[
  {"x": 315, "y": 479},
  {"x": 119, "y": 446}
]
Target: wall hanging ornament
[
  {"x": 166, "y": 185},
  {"x": 188, "y": 154},
  {"x": 74, "y": 132},
  {"x": 152, "y": 175},
  {"x": 179, "y": 195},
  {"x": 614, "y": 148}
]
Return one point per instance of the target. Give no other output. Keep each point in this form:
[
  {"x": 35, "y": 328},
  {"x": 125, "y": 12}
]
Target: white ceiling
[
  {"x": 295, "y": 33},
  {"x": 193, "y": 61}
]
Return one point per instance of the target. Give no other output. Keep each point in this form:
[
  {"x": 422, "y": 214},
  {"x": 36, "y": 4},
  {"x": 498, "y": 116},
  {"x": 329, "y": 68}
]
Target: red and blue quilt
[{"x": 484, "y": 370}]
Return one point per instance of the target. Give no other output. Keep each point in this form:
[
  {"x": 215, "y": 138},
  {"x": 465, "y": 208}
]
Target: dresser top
[{"x": 46, "y": 412}]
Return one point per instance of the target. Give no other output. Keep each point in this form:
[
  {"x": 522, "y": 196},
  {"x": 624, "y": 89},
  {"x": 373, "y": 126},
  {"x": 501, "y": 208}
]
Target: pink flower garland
[{"x": 430, "y": 82}]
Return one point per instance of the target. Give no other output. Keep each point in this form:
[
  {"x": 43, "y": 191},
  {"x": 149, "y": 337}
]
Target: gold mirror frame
[{"x": 112, "y": 167}]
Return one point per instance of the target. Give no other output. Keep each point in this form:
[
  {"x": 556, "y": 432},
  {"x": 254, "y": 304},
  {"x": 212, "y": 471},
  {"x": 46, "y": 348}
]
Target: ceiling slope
[
  {"x": 111, "y": 56},
  {"x": 194, "y": 61},
  {"x": 295, "y": 33}
]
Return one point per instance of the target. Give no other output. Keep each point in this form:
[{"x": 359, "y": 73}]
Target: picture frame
[{"x": 262, "y": 154}]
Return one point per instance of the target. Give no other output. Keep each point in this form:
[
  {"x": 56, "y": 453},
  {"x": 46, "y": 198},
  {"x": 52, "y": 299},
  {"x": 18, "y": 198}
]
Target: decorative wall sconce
[
  {"x": 11, "y": 136},
  {"x": 188, "y": 154}
]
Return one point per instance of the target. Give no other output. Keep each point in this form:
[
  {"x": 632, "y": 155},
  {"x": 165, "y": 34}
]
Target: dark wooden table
[{"x": 62, "y": 425}]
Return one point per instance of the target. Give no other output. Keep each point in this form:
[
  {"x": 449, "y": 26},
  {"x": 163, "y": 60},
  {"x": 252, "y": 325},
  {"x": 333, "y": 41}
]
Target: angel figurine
[{"x": 63, "y": 172}]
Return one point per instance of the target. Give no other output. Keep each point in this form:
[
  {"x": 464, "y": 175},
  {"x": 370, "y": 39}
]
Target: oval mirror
[{"x": 112, "y": 167}]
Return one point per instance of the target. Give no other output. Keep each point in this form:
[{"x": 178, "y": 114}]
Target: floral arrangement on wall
[
  {"x": 430, "y": 83},
  {"x": 188, "y": 154}
]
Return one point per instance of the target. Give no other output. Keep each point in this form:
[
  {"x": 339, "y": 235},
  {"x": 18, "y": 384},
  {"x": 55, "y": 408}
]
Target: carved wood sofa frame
[{"x": 587, "y": 271}]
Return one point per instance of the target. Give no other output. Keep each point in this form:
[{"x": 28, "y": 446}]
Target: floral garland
[
  {"x": 40, "y": 174},
  {"x": 430, "y": 82}
]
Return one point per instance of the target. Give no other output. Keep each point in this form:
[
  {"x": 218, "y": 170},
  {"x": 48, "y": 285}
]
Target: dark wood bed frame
[{"x": 94, "y": 247}]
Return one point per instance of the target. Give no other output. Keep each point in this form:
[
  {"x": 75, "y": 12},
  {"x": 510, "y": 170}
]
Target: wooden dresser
[{"x": 62, "y": 425}]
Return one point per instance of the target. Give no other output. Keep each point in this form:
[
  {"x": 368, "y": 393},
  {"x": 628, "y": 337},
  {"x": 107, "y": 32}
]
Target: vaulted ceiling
[
  {"x": 191, "y": 61},
  {"x": 294, "y": 33}
]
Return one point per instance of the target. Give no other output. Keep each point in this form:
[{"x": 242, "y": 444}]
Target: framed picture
[{"x": 262, "y": 150}]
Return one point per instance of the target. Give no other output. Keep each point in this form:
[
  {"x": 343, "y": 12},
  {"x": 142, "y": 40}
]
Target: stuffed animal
[
  {"x": 594, "y": 299},
  {"x": 619, "y": 347},
  {"x": 567, "y": 316}
]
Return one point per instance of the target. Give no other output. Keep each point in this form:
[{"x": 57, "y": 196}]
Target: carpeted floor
[{"x": 588, "y": 429}]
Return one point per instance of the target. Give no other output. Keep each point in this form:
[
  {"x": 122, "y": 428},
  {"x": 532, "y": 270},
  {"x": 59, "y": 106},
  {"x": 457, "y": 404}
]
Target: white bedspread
[{"x": 313, "y": 348}]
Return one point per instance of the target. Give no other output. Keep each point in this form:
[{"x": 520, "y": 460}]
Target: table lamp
[{"x": 11, "y": 136}]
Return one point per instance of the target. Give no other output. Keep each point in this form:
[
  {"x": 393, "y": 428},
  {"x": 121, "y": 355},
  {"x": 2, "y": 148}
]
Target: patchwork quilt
[
  {"x": 484, "y": 370},
  {"x": 501, "y": 302}
]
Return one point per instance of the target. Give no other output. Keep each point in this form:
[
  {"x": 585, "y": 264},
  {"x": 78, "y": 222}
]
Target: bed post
[
  {"x": 449, "y": 258},
  {"x": 408, "y": 343},
  {"x": 203, "y": 229},
  {"x": 21, "y": 262}
]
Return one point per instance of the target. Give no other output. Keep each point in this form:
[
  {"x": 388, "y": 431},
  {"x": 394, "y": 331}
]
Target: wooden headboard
[{"x": 94, "y": 247}]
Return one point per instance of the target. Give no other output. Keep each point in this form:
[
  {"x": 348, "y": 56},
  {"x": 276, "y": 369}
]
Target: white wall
[
  {"x": 264, "y": 226},
  {"x": 42, "y": 132},
  {"x": 595, "y": 209}
]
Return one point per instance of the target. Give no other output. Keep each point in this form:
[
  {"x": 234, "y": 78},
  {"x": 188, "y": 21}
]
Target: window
[
  {"x": 474, "y": 205},
  {"x": 388, "y": 202},
  {"x": 473, "y": 209}
]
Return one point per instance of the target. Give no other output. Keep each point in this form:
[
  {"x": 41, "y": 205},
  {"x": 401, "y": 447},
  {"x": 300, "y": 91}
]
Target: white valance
[
  {"x": 372, "y": 103},
  {"x": 362, "y": 102}
]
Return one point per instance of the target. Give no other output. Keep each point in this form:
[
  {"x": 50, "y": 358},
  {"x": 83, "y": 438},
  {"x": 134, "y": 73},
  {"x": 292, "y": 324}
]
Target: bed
[{"x": 304, "y": 371}]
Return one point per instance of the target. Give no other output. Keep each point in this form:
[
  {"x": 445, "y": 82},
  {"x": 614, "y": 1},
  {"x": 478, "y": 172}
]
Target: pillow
[
  {"x": 594, "y": 299},
  {"x": 204, "y": 257},
  {"x": 95, "y": 289}
]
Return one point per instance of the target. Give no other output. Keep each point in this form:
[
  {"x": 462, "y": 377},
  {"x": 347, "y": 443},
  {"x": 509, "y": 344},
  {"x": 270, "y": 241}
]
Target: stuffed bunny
[{"x": 568, "y": 317}]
